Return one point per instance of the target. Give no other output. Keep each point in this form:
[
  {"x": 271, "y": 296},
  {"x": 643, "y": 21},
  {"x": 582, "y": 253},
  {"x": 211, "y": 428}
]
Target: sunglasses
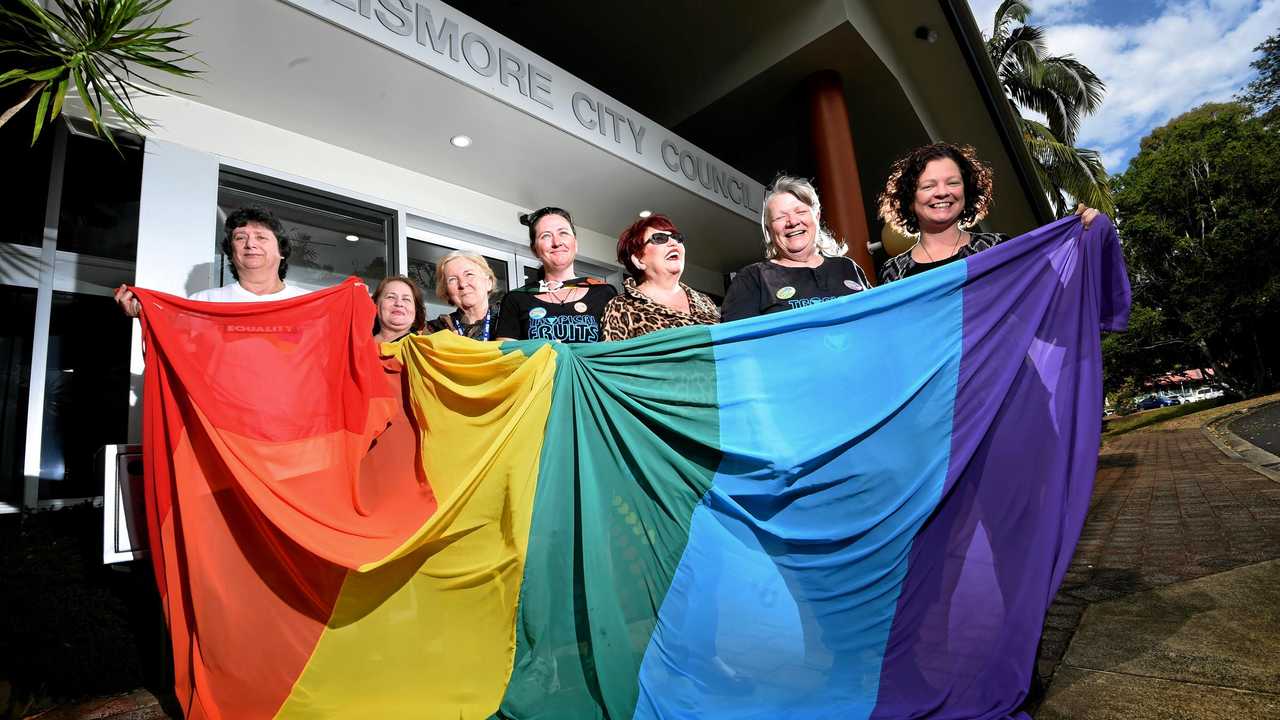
[{"x": 661, "y": 238}]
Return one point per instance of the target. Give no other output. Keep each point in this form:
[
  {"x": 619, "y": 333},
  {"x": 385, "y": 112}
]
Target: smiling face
[
  {"x": 255, "y": 248},
  {"x": 554, "y": 243},
  {"x": 467, "y": 284},
  {"x": 792, "y": 226},
  {"x": 939, "y": 199},
  {"x": 660, "y": 261},
  {"x": 396, "y": 311}
]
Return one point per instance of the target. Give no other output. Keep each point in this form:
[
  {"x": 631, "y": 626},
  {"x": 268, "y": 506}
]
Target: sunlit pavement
[{"x": 1171, "y": 607}]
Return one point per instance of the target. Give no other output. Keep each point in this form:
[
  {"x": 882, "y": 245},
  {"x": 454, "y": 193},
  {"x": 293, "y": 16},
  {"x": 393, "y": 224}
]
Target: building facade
[{"x": 386, "y": 133}]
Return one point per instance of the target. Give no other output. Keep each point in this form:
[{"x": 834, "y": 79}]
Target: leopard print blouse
[{"x": 633, "y": 314}]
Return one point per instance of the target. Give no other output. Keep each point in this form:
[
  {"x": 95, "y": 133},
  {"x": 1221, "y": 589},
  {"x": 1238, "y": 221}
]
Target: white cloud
[
  {"x": 1188, "y": 52},
  {"x": 1115, "y": 158},
  {"x": 1042, "y": 11},
  {"x": 1193, "y": 52}
]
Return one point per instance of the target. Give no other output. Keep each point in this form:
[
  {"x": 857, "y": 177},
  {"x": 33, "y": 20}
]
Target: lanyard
[{"x": 457, "y": 323}]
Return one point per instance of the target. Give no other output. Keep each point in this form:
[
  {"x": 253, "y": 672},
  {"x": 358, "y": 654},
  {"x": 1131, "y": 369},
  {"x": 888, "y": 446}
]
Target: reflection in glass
[
  {"x": 86, "y": 392},
  {"x": 17, "y": 327},
  {"x": 27, "y": 168},
  {"x": 100, "y": 191},
  {"x": 423, "y": 258},
  {"x": 329, "y": 244}
]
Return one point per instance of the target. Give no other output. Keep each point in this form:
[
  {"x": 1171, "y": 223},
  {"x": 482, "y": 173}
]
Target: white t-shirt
[{"x": 235, "y": 292}]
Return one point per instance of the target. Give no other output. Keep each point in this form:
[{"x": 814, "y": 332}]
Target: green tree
[
  {"x": 1200, "y": 217},
  {"x": 1063, "y": 90},
  {"x": 1263, "y": 94}
]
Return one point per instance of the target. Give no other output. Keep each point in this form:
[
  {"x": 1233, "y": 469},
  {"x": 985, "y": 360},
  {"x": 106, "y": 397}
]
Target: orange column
[{"x": 841, "y": 191}]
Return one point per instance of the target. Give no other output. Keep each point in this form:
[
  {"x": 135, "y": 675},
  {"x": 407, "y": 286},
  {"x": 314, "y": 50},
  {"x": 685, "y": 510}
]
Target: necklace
[{"x": 954, "y": 247}]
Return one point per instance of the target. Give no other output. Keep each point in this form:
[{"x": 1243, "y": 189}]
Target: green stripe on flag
[{"x": 632, "y": 443}]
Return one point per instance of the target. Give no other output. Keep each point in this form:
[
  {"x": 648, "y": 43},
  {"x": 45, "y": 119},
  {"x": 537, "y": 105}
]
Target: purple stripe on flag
[{"x": 1024, "y": 448}]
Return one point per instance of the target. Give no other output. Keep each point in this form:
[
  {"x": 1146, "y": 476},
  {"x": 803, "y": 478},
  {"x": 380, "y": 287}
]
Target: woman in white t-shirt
[{"x": 258, "y": 249}]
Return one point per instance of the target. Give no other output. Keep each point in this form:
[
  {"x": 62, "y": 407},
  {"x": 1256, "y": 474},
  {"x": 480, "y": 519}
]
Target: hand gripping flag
[{"x": 860, "y": 509}]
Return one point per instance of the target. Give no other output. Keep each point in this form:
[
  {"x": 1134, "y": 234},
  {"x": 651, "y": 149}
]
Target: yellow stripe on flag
[{"x": 429, "y": 630}]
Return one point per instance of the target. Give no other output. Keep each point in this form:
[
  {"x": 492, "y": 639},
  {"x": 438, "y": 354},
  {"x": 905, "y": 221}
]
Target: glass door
[{"x": 333, "y": 237}]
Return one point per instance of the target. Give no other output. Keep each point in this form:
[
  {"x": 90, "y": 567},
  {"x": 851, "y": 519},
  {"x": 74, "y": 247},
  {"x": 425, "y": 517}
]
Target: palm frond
[
  {"x": 95, "y": 46},
  {"x": 1063, "y": 90},
  {"x": 1068, "y": 170}
]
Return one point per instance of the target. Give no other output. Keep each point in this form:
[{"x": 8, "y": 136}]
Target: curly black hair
[
  {"x": 262, "y": 216},
  {"x": 899, "y": 193}
]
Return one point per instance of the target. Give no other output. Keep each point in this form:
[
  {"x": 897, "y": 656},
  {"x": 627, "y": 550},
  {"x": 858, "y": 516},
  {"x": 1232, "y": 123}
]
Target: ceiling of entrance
[
  {"x": 277, "y": 64},
  {"x": 726, "y": 76}
]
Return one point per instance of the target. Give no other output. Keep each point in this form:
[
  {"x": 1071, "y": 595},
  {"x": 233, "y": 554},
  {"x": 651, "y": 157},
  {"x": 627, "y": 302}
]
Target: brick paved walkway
[{"x": 1167, "y": 506}]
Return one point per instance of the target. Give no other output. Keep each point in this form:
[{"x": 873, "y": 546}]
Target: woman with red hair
[{"x": 653, "y": 298}]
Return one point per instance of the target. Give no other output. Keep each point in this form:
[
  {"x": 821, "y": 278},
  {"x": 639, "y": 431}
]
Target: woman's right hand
[{"x": 128, "y": 302}]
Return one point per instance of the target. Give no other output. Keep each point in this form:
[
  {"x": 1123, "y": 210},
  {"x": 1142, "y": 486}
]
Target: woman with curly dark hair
[{"x": 936, "y": 192}]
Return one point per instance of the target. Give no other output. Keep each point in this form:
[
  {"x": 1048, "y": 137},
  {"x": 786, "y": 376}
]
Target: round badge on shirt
[
  {"x": 852, "y": 284},
  {"x": 537, "y": 313},
  {"x": 786, "y": 293},
  {"x": 580, "y": 306}
]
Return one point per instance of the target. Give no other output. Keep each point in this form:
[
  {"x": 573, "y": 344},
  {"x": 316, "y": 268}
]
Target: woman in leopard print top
[{"x": 653, "y": 298}]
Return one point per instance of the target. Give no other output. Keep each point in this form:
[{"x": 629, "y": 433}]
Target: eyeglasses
[{"x": 661, "y": 238}]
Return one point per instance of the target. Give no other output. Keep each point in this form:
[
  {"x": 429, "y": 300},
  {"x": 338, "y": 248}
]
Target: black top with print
[
  {"x": 524, "y": 317},
  {"x": 902, "y": 266},
  {"x": 767, "y": 287}
]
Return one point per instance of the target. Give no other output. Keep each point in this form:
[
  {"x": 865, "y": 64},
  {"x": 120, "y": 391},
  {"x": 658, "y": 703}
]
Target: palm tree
[
  {"x": 94, "y": 47},
  {"x": 1063, "y": 90}
]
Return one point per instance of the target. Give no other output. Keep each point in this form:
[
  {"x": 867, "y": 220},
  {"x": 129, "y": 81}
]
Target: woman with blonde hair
[{"x": 465, "y": 281}]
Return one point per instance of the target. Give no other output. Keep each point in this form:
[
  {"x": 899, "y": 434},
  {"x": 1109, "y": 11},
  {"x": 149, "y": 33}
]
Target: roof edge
[{"x": 965, "y": 28}]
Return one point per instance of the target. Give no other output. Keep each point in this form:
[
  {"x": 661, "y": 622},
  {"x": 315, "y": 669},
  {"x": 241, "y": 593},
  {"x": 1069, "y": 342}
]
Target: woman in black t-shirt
[
  {"x": 805, "y": 265},
  {"x": 560, "y": 305},
  {"x": 935, "y": 192}
]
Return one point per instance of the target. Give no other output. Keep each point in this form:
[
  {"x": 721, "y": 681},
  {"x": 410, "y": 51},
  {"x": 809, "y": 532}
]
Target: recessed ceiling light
[
  {"x": 645, "y": 213},
  {"x": 352, "y": 238},
  {"x": 460, "y": 141}
]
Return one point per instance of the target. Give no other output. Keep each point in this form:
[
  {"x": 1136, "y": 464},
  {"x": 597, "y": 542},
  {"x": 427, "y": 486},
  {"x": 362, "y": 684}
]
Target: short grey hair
[{"x": 802, "y": 190}]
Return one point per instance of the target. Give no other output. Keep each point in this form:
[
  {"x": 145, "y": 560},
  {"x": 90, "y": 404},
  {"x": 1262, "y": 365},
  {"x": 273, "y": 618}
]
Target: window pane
[
  {"x": 331, "y": 241},
  {"x": 27, "y": 170},
  {"x": 533, "y": 272},
  {"x": 423, "y": 257},
  {"x": 86, "y": 392},
  {"x": 100, "y": 191},
  {"x": 17, "y": 324}
]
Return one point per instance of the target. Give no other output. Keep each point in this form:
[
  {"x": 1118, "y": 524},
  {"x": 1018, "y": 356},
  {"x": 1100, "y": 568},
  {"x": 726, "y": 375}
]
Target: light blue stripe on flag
[{"x": 783, "y": 599}]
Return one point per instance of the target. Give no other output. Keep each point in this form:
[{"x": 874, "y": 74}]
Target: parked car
[
  {"x": 1205, "y": 393},
  {"x": 1152, "y": 402}
]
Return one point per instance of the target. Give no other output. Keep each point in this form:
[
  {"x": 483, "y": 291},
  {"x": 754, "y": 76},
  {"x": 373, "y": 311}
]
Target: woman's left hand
[{"x": 1087, "y": 214}]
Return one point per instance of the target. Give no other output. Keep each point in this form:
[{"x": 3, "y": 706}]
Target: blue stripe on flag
[{"x": 783, "y": 599}]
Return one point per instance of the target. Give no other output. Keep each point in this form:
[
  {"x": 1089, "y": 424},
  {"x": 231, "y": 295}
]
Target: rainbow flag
[{"x": 859, "y": 509}]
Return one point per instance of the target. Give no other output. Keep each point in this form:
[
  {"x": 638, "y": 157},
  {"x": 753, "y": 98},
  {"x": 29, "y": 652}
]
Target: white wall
[
  {"x": 176, "y": 246},
  {"x": 246, "y": 141}
]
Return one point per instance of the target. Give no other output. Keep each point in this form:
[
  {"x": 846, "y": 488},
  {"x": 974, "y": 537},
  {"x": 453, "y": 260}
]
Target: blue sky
[{"x": 1159, "y": 58}]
